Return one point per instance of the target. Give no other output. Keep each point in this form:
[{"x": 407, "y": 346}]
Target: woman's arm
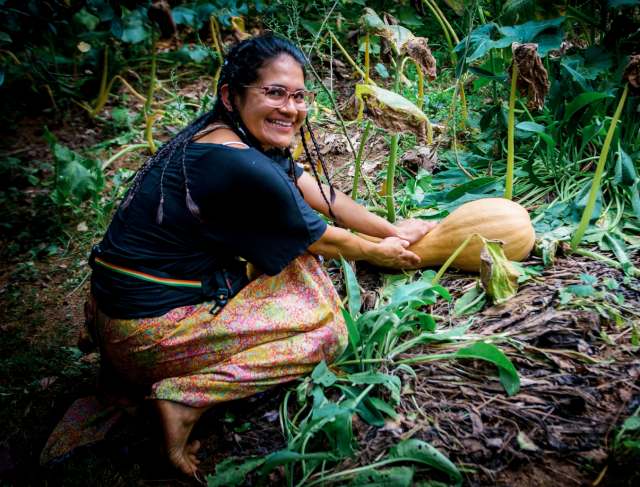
[
  {"x": 356, "y": 217},
  {"x": 389, "y": 252}
]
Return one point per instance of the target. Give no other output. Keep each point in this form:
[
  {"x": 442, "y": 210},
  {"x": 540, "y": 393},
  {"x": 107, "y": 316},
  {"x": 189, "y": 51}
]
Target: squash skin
[{"x": 493, "y": 218}]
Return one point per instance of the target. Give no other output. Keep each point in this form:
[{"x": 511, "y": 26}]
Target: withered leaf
[
  {"x": 418, "y": 50},
  {"x": 532, "y": 81},
  {"x": 631, "y": 74}
]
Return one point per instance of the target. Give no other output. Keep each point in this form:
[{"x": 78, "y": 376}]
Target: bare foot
[{"x": 177, "y": 422}]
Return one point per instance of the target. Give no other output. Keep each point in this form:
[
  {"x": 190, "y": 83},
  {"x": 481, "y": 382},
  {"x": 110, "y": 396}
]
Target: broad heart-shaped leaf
[
  {"x": 546, "y": 33},
  {"x": 485, "y": 351},
  {"x": 185, "y": 16},
  {"x": 390, "y": 111},
  {"x": 132, "y": 27},
  {"x": 498, "y": 276},
  {"x": 353, "y": 288},
  {"x": 390, "y": 477},
  {"x": 422, "y": 452},
  {"x": 397, "y": 35},
  {"x": 232, "y": 471},
  {"x": 322, "y": 375}
]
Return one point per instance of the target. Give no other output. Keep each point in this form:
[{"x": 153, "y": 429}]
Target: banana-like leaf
[
  {"x": 390, "y": 111},
  {"x": 498, "y": 276}
]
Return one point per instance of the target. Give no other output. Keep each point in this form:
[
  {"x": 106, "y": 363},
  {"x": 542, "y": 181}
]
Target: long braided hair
[{"x": 240, "y": 69}]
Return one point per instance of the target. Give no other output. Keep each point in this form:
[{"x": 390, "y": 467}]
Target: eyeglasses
[{"x": 277, "y": 96}]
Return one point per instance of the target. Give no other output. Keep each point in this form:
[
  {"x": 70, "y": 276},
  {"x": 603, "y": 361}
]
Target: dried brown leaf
[
  {"x": 533, "y": 81},
  {"x": 418, "y": 50},
  {"x": 631, "y": 74}
]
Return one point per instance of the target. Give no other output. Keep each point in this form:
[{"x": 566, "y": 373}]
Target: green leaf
[
  {"x": 352, "y": 329},
  {"x": 132, "y": 28},
  {"x": 232, "y": 471},
  {"x": 4, "y": 37},
  {"x": 391, "y": 382},
  {"x": 86, "y": 19},
  {"x": 623, "y": 3},
  {"x": 322, "y": 375},
  {"x": 485, "y": 351},
  {"x": 537, "y": 129},
  {"x": 381, "y": 69},
  {"x": 581, "y": 101},
  {"x": 470, "y": 302},
  {"x": 498, "y": 276},
  {"x": 618, "y": 248},
  {"x": 353, "y": 288},
  {"x": 193, "y": 52},
  {"x": 546, "y": 33},
  {"x": 391, "y": 477},
  {"x": 625, "y": 171},
  {"x": 284, "y": 457},
  {"x": 422, "y": 452},
  {"x": 632, "y": 423},
  {"x": 185, "y": 16}
]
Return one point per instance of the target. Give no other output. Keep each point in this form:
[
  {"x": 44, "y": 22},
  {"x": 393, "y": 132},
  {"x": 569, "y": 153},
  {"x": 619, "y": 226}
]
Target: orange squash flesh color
[{"x": 493, "y": 218}]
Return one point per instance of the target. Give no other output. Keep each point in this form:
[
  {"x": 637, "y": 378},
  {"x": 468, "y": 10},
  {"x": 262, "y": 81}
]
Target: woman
[{"x": 176, "y": 309}]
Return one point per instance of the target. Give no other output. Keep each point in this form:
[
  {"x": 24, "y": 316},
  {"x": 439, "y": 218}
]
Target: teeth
[{"x": 282, "y": 124}]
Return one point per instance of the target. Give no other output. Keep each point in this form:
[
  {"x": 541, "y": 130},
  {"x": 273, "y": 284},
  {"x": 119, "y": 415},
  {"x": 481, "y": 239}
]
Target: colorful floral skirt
[{"x": 275, "y": 330}]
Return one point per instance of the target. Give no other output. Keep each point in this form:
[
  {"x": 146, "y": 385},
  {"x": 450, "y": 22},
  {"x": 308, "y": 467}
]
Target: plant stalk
[
  {"x": 148, "y": 115},
  {"x": 358, "y": 163},
  {"x": 597, "y": 177},
  {"x": 347, "y": 56},
  {"x": 508, "y": 192},
  {"x": 103, "y": 94},
  {"x": 213, "y": 28},
  {"x": 451, "y": 258}
]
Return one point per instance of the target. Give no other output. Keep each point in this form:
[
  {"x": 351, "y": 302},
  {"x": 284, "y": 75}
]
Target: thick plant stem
[
  {"x": 367, "y": 61},
  {"x": 103, "y": 94},
  {"x": 391, "y": 173},
  {"x": 213, "y": 28},
  {"x": 420, "y": 93},
  {"x": 451, "y": 258},
  {"x": 148, "y": 115},
  {"x": 597, "y": 177},
  {"x": 358, "y": 164},
  {"x": 508, "y": 192},
  {"x": 454, "y": 36},
  {"x": 346, "y": 55},
  {"x": 445, "y": 31}
]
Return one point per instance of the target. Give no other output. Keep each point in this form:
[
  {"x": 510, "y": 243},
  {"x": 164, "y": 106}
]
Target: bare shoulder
[{"x": 223, "y": 136}]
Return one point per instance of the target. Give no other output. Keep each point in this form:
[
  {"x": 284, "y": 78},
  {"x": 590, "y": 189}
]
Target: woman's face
[{"x": 273, "y": 127}]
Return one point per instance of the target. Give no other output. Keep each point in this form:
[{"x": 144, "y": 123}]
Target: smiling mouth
[{"x": 281, "y": 123}]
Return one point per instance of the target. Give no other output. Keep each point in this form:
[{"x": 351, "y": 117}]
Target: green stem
[
  {"x": 634, "y": 271},
  {"x": 149, "y": 117},
  {"x": 358, "y": 168},
  {"x": 214, "y": 29},
  {"x": 346, "y": 55},
  {"x": 367, "y": 61},
  {"x": 452, "y": 258},
  {"x": 595, "y": 184},
  {"x": 447, "y": 35},
  {"x": 508, "y": 192},
  {"x": 391, "y": 172},
  {"x": 103, "y": 94}
]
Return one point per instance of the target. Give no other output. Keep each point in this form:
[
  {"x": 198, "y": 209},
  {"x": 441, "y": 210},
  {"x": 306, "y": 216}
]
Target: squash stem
[
  {"x": 347, "y": 56},
  {"x": 508, "y": 192},
  {"x": 597, "y": 177},
  {"x": 447, "y": 35},
  {"x": 358, "y": 164},
  {"x": 214, "y": 29},
  {"x": 103, "y": 94},
  {"x": 452, "y": 257},
  {"x": 366, "y": 59},
  {"x": 393, "y": 157},
  {"x": 149, "y": 116}
]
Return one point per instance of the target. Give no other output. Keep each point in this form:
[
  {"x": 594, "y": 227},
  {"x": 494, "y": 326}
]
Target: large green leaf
[
  {"x": 322, "y": 375},
  {"x": 132, "y": 27},
  {"x": 422, "y": 452},
  {"x": 485, "y": 351}
]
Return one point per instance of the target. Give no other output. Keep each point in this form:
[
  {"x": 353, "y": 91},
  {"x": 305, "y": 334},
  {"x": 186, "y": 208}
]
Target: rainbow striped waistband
[{"x": 148, "y": 277}]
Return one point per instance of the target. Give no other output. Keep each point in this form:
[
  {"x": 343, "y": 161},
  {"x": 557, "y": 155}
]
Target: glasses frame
[{"x": 264, "y": 90}]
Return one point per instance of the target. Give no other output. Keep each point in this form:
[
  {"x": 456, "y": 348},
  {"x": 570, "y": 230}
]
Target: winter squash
[{"x": 493, "y": 218}]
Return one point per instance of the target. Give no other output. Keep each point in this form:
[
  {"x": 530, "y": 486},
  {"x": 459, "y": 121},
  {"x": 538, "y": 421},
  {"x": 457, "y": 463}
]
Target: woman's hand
[
  {"x": 414, "y": 229},
  {"x": 392, "y": 252}
]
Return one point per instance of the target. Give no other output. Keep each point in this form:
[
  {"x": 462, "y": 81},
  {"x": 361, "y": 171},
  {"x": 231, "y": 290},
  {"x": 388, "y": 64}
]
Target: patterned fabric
[{"x": 276, "y": 329}]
